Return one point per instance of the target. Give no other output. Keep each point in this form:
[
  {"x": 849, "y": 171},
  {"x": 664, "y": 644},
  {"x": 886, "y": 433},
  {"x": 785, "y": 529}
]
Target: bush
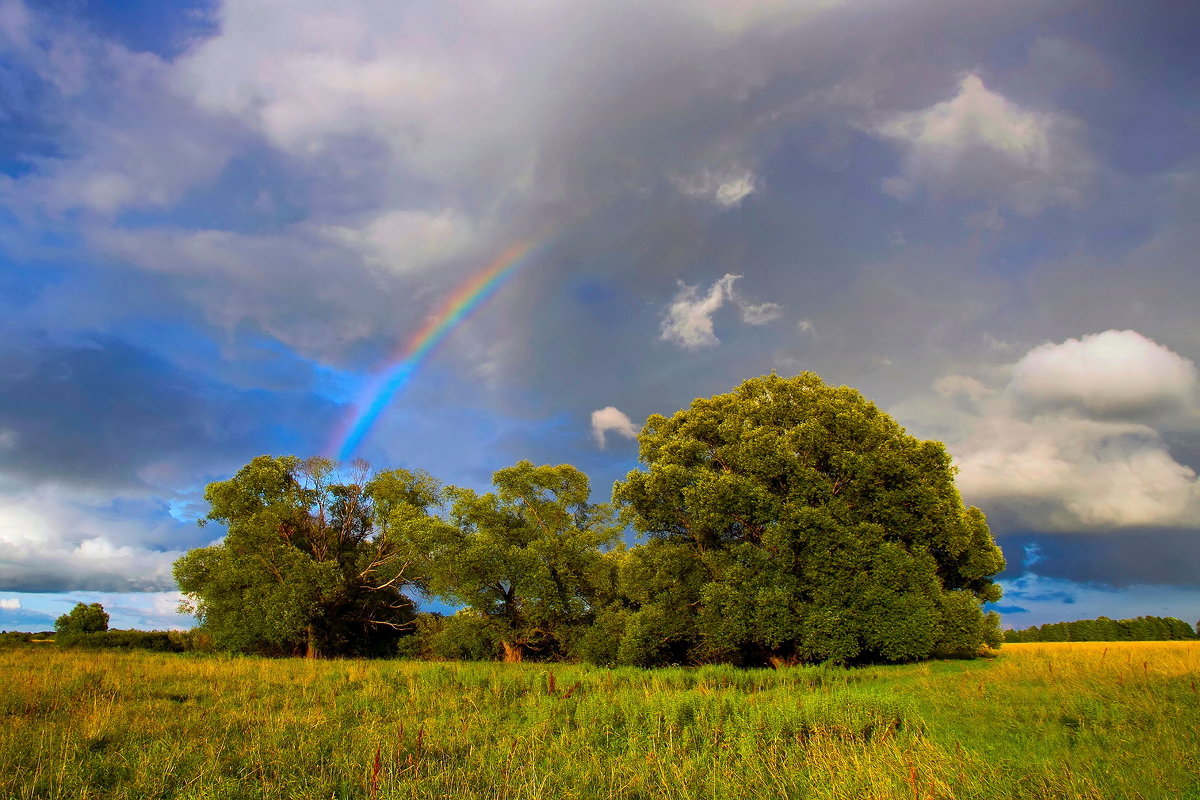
[
  {"x": 463, "y": 637},
  {"x": 155, "y": 641}
]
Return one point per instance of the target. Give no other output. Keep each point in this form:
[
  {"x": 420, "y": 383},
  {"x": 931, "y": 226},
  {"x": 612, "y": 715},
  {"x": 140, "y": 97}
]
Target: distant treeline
[
  {"x": 1140, "y": 629},
  {"x": 156, "y": 641},
  {"x": 23, "y": 637}
]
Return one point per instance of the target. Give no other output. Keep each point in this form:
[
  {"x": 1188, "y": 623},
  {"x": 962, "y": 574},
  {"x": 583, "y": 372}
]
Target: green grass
[{"x": 1099, "y": 720}]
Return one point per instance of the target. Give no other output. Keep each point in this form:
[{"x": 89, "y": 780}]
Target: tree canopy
[
  {"x": 83, "y": 618},
  {"x": 526, "y": 559},
  {"x": 310, "y": 562},
  {"x": 794, "y": 521}
]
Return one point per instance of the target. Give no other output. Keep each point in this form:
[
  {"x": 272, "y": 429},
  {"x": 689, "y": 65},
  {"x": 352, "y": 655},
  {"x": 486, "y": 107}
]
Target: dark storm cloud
[
  {"x": 100, "y": 412},
  {"x": 1114, "y": 560}
]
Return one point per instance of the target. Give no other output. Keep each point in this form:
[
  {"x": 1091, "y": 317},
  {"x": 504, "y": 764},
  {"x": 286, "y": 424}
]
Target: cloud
[
  {"x": 100, "y": 488},
  {"x": 758, "y": 313},
  {"x": 725, "y": 188},
  {"x": 981, "y": 145},
  {"x": 102, "y": 413},
  {"x": 125, "y": 139},
  {"x": 10, "y": 603},
  {"x": 1065, "y": 445},
  {"x": 58, "y": 540},
  {"x": 1071, "y": 474},
  {"x": 1116, "y": 559},
  {"x": 612, "y": 419},
  {"x": 405, "y": 240},
  {"x": 688, "y": 321},
  {"x": 1119, "y": 374}
]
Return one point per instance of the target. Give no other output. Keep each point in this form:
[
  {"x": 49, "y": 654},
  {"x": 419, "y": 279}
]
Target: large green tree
[
  {"x": 311, "y": 562},
  {"x": 525, "y": 561},
  {"x": 83, "y": 618},
  {"x": 794, "y": 521}
]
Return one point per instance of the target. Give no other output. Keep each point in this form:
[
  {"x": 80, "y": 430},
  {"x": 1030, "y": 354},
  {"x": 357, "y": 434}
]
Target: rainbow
[{"x": 456, "y": 308}]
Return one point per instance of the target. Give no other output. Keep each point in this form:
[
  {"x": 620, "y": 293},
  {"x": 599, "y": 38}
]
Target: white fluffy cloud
[
  {"x": 1114, "y": 373},
  {"x": 1065, "y": 444},
  {"x": 10, "y": 603},
  {"x": 51, "y": 540},
  {"x": 688, "y": 321},
  {"x": 980, "y": 145},
  {"x": 611, "y": 418}
]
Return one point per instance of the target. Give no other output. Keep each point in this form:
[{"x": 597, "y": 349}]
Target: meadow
[{"x": 1087, "y": 720}]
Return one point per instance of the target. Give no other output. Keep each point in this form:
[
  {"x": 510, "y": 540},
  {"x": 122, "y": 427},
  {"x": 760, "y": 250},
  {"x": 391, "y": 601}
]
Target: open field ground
[{"x": 1095, "y": 720}]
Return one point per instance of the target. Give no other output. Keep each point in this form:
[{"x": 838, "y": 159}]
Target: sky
[{"x": 224, "y": 226}]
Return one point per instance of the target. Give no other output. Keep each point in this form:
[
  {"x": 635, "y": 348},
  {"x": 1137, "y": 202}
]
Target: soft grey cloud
[
  {"x": 128, "y": 140},
  {"x": 758, "y": 313},
  {"x": 611, "y": 419},
  {"x": 1116, "y": 559},
  {"x": 725, "y": 188},
  {"x": 981, "y": 145}
]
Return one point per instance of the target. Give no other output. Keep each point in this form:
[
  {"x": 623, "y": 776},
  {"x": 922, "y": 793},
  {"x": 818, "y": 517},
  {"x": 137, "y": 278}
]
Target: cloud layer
[{"x": 220, "y": 224}]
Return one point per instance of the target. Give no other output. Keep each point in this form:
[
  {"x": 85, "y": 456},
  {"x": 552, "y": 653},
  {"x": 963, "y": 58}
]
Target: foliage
[
  {"x": 794, "y": 521},
  {"x": 1037, "y": 721},
  {"x": 1103, "y": 629},
  {"x": 155, "y": 641},
  {"x": 310, "y": 562},
  {"x": 524, "y": 561},
  {"x": 788, "y": 521},
  {"x": 15, "y": 638},
  {"x": 90, "y": 618}
]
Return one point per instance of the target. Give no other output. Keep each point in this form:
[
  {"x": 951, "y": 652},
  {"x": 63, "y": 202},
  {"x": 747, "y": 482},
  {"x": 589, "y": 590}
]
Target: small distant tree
[{"x": 90, "y": 618}]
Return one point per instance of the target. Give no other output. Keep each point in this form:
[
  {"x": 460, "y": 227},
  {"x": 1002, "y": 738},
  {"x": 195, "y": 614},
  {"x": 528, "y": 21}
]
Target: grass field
[{"x": 1096, "y": 720}]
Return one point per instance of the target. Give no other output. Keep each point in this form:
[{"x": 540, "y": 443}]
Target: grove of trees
[{"x": 787, "y": 521}]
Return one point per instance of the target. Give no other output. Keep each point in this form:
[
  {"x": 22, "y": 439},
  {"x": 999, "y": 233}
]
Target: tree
[
  {"x": 309, "y": 562},
  {"x": 83, "y": 619},
  {"x": 526, "y": 561},
  {"x": 794, "y": 521}
]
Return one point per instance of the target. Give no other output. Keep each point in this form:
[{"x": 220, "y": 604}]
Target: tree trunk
[
  {"x": 311, "y": 649},
  {"x": 513, "y": 654}
]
